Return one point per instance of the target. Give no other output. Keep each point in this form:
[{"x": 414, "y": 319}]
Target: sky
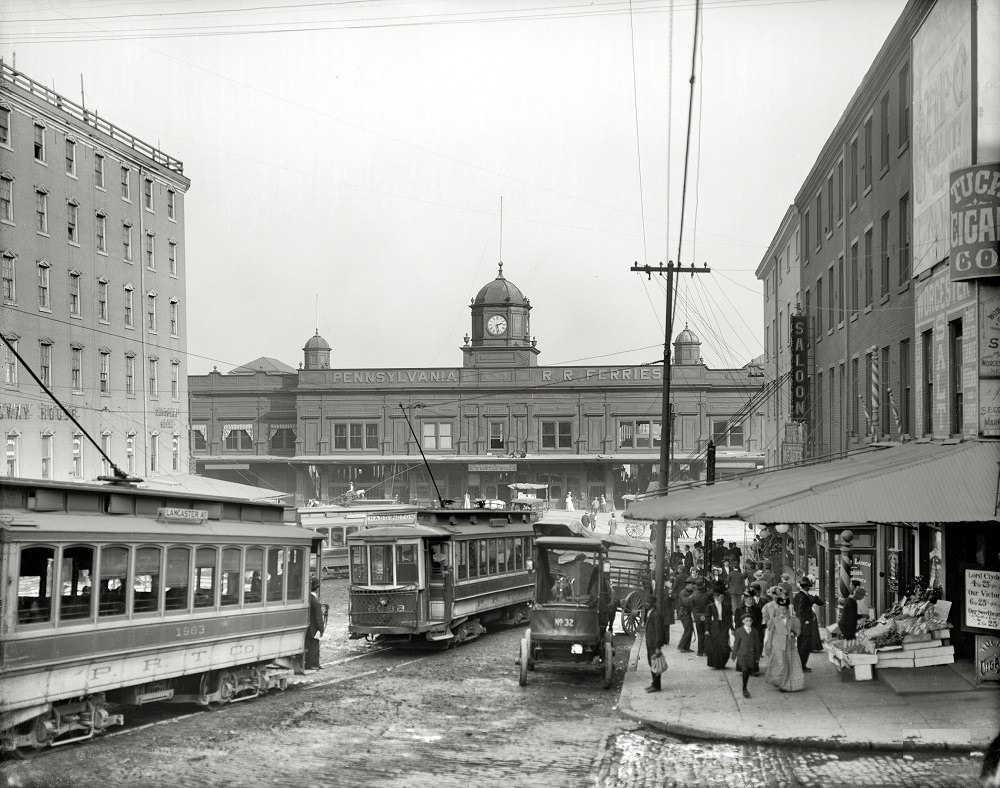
[{"x": 360, "y": 168}]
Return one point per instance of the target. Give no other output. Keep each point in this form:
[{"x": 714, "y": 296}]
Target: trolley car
[
  {"x": 442, "y": 580},
  {"x": 112, "y": 595},
  {"x": 335, "y": 523}
]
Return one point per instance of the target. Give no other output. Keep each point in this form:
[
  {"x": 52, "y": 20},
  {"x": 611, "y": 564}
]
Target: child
[{"x": 746, "y": 650}]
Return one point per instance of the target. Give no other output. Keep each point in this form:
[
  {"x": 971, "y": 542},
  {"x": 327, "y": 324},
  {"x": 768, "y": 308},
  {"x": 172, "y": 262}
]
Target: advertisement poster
[
  {"x": 974, "y": 198},
  {"x": 981, "y": 611}
]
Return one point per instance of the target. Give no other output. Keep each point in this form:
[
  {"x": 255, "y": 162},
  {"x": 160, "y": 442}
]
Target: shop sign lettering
[
  {"x": 23, "y": 410},
  {"x": 975, "y": 222},
  {"x": 799, "y": 333},
  {"x": 982, "y": 600}
]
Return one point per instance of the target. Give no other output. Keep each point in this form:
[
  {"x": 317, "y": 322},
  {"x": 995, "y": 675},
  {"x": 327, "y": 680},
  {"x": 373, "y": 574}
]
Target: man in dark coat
[
  {"x": 699, "y": 608},
  {"x": 688, "y": 559},
  {"x": 684, "y": 612},
  {"x": 746, "y": 650},
  {"x": 848, "y": 621},
  {"x": 316, "y": 627},
  {"x": 803, "y": 608},
  {"x": 655, "y": 637}
]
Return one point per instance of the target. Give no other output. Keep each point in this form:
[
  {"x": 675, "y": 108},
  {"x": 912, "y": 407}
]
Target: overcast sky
[{"x": 348, "y": 160}]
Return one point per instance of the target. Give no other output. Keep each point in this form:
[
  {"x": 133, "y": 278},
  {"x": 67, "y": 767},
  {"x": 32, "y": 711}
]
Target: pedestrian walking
[
  {"x": 768, "y": 610},
  {"x": 316, "y": 627},
  {"x": 594, "y": 506},
  {"x": 688, "y": 559},
  {"x": 803, "y": 603},
  {"x": 569, "y": 503},
  {"x": 784, "y": 669},
  {"x": 718, "y": 625},
  {"x": 612, "y": 525},
  {"x": 736, "y": 583},
  {"x": 746, "y": 650},
  {"x": 699, "y": 609},
  {"x": 604, "y": 505},
  {"x": 686, "y": 614},
  {"x": 654, "y": 641}
]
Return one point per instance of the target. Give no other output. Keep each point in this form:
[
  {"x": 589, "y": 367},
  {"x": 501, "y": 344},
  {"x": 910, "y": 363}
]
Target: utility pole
[{"x": 666, "y": 422}]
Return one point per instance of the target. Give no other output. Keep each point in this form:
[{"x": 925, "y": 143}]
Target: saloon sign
[
  {"x": 975, "y": 222},
  {"x": 799, "y": 332}
]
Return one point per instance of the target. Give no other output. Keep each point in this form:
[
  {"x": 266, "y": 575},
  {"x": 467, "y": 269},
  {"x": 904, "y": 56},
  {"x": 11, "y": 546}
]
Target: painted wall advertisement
[
  {"x": 975, "y": 221},
  {"x": 981, "y": 611}
]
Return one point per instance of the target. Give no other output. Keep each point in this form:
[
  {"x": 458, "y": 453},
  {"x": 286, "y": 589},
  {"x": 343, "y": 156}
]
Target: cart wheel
[
  {"x": 609, "y": 664},
  {"x": 634, "y": 529},
  {"x": 632, "y": 613},
  {"x": 525, "y": 652},
  {"x": 531, "y": 659}
]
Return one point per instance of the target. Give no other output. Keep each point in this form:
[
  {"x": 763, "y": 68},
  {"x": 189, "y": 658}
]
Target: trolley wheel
[
  {"x": 632, "y": 612},
  {"x": 609, "y": 664},
  {"x": 634, "y": 529},
  {"x": 525, "y": 654}
]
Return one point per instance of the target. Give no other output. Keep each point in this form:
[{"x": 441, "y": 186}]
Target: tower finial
[{"x": 500, "y": 275}]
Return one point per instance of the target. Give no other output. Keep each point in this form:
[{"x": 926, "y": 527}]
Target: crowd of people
[{"x": 740, "y": 612}]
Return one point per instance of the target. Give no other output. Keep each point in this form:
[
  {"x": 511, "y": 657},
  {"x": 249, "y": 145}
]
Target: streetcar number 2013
[{"x": 191, "y": 631}]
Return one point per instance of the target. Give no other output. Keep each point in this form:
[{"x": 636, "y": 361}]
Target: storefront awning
[{"x": 924, "y": 481}]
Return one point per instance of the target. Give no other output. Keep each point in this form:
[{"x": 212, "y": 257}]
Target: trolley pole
[{"x": 666, "y": 426}]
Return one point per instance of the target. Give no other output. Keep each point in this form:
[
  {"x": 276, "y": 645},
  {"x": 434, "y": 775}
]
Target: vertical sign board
[
  {"x": 799, "y": 333},
  {"x": 981, "y": 611},
  {"x": 974, "y": 198}
]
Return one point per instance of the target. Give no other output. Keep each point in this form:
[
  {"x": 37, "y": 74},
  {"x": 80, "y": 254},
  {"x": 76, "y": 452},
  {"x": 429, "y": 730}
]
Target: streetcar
[
  {"x": 442, "y": 580},
  {"x": 113, "y": 595},
  {"x": 335, "y": 523}
]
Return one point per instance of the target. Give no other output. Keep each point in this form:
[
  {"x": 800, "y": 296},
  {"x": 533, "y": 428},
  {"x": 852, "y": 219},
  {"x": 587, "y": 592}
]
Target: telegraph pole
[{"x": 666, "y": 421}]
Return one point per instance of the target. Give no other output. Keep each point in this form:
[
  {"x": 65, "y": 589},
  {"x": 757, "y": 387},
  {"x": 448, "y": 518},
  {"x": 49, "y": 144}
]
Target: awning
[{"x": 924, "y": 481}]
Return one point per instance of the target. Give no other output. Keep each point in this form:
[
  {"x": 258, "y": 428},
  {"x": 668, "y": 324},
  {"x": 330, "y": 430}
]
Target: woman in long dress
[
  {"x": 784, "y": 670},
  {"x": 718, "y": 625},
  {"x": 768, "y": 610}
]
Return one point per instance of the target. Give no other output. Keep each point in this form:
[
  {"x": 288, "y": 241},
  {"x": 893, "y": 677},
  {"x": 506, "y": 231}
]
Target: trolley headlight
[{"x": 383, "y": 601}]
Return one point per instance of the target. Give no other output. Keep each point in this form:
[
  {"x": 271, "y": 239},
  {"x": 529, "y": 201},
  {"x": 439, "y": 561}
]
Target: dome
[
  {"x": 316, "y": 343},
  {"x": 500, "y": 291},
  {"x": 687, "y": 336}
]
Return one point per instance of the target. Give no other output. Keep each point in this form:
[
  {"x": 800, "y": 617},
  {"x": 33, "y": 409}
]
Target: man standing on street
[
  {"x": 316, "y": 627},
  {"x": 803, "y": 609}
]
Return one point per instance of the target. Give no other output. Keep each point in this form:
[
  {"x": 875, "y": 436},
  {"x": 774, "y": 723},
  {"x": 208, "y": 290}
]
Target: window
[
  {"x": 76, "y": 368},
  {"x": 151, "y": 312},
  {"x": 840, "y": 297},
  {"x": 106, "y": 448},
  {"x": 557, "y": 435},
  {"x": 128, "y": 306},
  {"x": 130, "y": 375},
  {"x": 884, "y": 130},
  {"x": 197, "y": 437},
  {"x": 154, "y": 452},
  {"x": 854, "y": 397},
  {"x": 76, "y": 470},
  {"x": 805, "y": 238},
  {"x": 237, "y": 437},
  {"x": 175, "y": 453},
  {"x": 150, "y": 251},
  {"x": 282, "y": 437},
  {"x": 172, "y": 257},
  {"x": 4, "y": 124},
  {"x": 819, "y": 221},
  {"x": 904, "y": 239},
  {"x": 638, "y": 434},
  {"x": 8, "y": 271},
  {"x": 153, "y": 366},
  {"x": 927, "y": 368},
  {"x": 72, "y": 222},
  {"x": 819, "y": 308},
  {"x": 34, "y": 584},
  {"x": 436, "y": 434},
  {"x": 905, "y": 389},
  {"x": 840, "y": 190},
  {"x": 39, "y": 143},
  {"x": 174, "y": 311},
  {"x": 868, "y": 154},
  {"x": 45, "y": 362},
  {"x": 146, "y": 580},
  {"x": 171, "y": 206},
  {"x": 6, "y": 198},
  {"x": 355, "y": 435},
  {"x": 10, "y": 363},
  {"x": 175, "y": 380},
  {"x": 101, "y": 232},
  {"x": 104, "y": 372},
  {"x": 727, "y": 435},
  {"x": 130, "y": 452},
  {"x": 830, "y": 197},
  {"x": 147, "y": 193},
  {"x": 205, "y": 577},
  {"x": 831, "y": 296},
  {"x": 13, "y": 453},
  {"x": 74, "y": 293},
  {"x": 904, "y": 105},
  {"x": 497, "y": 436},
  {"x": 852, "y": 174},
  {"x": 177, "y": 585},
  {"x": 855, "y": 276},
  {"x": 955, "y": 376},
  {"x": 869, "y": 254},
  {"x": 70, "y": 157},
  {"x": 126, "y": 191},
  {"x": 41, "y": 211},
  {"x": 127, "y": 242},
  {"x": 47, "y": 455},
  {"x": 43, "y": 285},
  {"x": 99, "y": 170},
  {"x": 885, "y": 412},
  {"x": 884, "y": 253},
  {"x": 102, "y": 300}
]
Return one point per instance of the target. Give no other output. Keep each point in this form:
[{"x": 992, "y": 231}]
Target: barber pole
[{"x": 875, "y": 393}]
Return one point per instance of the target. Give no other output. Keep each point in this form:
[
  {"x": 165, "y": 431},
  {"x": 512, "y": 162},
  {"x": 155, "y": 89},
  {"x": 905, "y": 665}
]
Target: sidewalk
[{"x": 941, "y": 710}]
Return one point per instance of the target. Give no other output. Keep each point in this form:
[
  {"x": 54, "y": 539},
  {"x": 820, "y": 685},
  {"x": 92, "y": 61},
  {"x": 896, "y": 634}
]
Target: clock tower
[{"x": 501, "y": 328}]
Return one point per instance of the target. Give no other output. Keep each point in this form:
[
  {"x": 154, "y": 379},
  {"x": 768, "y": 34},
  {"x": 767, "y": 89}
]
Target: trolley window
[
  {"x": 34, "y": 585},
  {"x": 178, "y": 581},
  {"x": 473, "y": 558},
  {"x": 296, "y": 573},
  {"x": 275, "y": 574},
  {"x": 252, "y": 574},
  {"x": 407, "y": 569},
  {"x": 147, "y": 580},
  {"x": 462, "y": 570},
  {"x": 381, "y": 564},
  {"x": 205, "y": 577},
  {"x": 492, "y": 545},
  {"x": 77, "y": 576},
  {"x": 230, "y": 577},
  {"x": 359, "y": 565},
  {"x": 113, "y": 581}
]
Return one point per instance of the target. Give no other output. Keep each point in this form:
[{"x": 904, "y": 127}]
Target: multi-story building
[
  {"x": 498, "y": 419},
  {"x": 93, "y": 273}
]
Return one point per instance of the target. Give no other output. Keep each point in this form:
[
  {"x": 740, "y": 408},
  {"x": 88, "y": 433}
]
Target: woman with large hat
[
  {"x": 718, "y": 625},
  {"x": 784, "y": 670}
]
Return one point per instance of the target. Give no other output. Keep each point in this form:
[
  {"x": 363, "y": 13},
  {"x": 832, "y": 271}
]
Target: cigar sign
[{"x": 975, "y": 222}]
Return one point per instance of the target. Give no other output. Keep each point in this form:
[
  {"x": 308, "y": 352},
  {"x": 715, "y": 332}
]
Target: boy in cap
[{"x": 746, "y": 650}]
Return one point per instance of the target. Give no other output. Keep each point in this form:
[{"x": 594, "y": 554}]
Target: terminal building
[{"x": 427, "y": 435}]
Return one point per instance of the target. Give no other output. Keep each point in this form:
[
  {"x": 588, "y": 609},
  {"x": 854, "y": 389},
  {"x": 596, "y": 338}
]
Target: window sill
[
  {"x": 904, "y": 287},
  {"x": 868, "y": 309},
  {"x": 884, "y": 300},
  {"x": 903, "y": 148},
  {"x": 854, "y": 316}
]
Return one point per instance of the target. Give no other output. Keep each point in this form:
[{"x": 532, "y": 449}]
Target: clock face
[{"x": 496, "y": 325}]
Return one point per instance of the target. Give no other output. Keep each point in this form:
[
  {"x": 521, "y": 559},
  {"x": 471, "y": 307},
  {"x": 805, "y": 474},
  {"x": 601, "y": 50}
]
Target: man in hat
[
  {"x": 786, "y": 583},
  {"x": 316, "y": 627},
  {"x": 746, "y": 650},
  {"x": 699, "y": 611},
  {"x": 655, "y": 637},
  {"x": 803, "y": 602},
  {"x": 684, "y": 611},
  {"x": 736, "y": 584}
]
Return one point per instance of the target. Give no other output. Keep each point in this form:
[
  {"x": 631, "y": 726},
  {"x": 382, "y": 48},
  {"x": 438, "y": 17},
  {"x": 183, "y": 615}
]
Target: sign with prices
[{"x": 981, "y": 612}]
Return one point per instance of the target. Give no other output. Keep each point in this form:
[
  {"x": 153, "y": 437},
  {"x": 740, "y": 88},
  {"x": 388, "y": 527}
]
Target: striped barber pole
[{"x": 875, "y": 393}]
